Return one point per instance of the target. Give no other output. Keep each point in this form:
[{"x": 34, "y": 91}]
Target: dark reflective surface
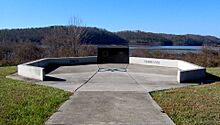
[{"x": 113, "y": 55}]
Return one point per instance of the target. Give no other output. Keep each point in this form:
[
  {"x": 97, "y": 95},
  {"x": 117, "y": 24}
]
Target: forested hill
[
  {"x": 147, "y": 38},
  {"x": 63, "y": 33},
  {"x": 100, "y": 36}
]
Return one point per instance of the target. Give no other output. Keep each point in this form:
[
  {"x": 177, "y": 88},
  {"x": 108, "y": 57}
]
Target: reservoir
[{"x": 172, "y": 49}]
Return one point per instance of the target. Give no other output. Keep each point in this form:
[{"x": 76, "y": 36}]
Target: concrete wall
[
  {"x": 36, "y": 69},
  {"x": 190, "y": 75},
  {"x": 32, "y": 72},
  {"x": 63, "y": 61},
  {"x": 189, "y": 72},
  {"x": 186, "y": 71},
  {"x": 154, "y": 62}
]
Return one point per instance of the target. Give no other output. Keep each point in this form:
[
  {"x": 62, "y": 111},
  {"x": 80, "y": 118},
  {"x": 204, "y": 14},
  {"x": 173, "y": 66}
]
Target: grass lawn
[
  {"x": 24, "y": 103},
  {"x": 214, "y": 71},
  {"x": 194, "y": 105}
]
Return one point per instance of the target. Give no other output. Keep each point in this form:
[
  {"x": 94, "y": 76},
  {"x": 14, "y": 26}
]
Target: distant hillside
[
  {"x": 147, "y": 38},
  {"x": 22, "y": 45},
  {"x": 101, "y": 36},
  {"x": 37, "y": 35}
]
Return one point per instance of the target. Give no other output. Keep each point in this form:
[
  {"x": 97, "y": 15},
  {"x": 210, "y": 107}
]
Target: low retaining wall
[
  {"x": 37, "y": 69},
  {"x": 189, "y": 72},
  {"x": 186, "y": 71},
  {"x": 154, "y": 62},
  {"x": 32, "y": 72}
]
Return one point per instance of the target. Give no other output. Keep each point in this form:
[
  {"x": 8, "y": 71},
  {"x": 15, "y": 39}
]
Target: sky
[{"x": 159, "y": 16}]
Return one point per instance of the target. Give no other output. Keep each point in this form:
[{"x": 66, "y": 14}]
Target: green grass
[
  {"x": 195, "y": 105},
  {"x": 214, "y": 71},
  {"x": 24, "y": 103},
  {"x": 6, "y": 70}
]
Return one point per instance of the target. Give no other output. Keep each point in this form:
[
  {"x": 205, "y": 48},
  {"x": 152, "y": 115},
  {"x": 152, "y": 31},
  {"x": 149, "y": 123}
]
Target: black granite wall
[{"x": 113, "y": 55}]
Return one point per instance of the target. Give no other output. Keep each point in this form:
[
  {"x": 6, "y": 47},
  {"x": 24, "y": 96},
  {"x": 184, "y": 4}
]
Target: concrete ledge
[
  {"x": 31, "y": 71},
  {"x": 189, "y": 72},
  {"x": 186, "y": 71},
  {"x": 154, "y": 62},
  {"x": 190, "y": 75},
  {"x": 37, "y": 69}
]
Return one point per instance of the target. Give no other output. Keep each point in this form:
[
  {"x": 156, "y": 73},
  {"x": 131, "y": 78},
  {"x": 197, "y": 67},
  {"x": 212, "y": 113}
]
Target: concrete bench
[
  {"x": 37, "y": 69},
  {"x": 186, "y": 71}
]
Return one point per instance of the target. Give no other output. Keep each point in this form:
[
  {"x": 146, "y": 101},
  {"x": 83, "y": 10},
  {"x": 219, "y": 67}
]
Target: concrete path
[
  {"x": 109, "y": 108},
  {"x": 112, "y": 97},
  {"x": 112, "y": 81}
]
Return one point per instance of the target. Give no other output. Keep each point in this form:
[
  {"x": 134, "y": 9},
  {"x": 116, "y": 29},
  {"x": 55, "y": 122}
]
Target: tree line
[
  {"x": 159, "y": 39},
  {"x": 22, "y": 45}
]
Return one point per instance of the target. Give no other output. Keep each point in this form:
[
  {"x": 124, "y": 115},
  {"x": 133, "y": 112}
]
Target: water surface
[{"x": 172, "y": 49}]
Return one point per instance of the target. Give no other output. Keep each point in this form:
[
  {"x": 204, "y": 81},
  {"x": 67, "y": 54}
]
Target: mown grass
[
  {"x": 214, "y": 71},
  {"x": 24, "y": 103},
  {"x": 6, "y": 70},
  {"x": 195, "y": 105}
]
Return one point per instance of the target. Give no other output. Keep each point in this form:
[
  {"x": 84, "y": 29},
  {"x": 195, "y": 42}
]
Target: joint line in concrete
[
  {"x": 137, "y": 82},
  {"x": 86, "y": 81}
]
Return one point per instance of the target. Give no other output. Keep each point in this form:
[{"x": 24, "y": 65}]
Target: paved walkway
[{"x": 111, "y": 96}]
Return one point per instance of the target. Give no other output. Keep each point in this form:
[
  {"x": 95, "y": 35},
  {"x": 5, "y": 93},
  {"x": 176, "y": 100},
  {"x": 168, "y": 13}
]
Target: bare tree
[
  {"x": 68, "y": 41},
  {"x": 76, "y": 31},
  {"x": 27, "y": 51},
  {"x": 75, "y": 21}
]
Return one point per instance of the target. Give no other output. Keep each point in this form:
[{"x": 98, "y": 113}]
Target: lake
[{"x": 172, "y": 49}]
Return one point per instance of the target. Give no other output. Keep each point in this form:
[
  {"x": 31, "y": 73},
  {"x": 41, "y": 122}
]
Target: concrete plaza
[{"x": 112, "y": 94}]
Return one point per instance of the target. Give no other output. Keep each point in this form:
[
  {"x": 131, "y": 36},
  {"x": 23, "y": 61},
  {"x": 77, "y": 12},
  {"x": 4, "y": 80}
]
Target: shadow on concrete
[
  {"x": 50, "y": 78},
  {"x": 50, "y": 68},
  {"x": 210, "y": 78}
]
